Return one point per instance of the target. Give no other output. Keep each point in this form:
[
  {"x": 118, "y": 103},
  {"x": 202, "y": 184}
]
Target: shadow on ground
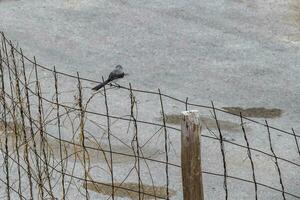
[
  {"x": 208, "y": 123},
  {"x": 130, "y": 190},
  {"x": 260, "y": 112}
]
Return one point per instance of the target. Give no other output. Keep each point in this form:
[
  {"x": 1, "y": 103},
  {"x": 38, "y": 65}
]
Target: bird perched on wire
[{"x": 115, "y": 74}]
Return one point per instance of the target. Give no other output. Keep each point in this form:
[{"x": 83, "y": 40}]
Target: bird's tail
[{"x": 98, "y": 87}]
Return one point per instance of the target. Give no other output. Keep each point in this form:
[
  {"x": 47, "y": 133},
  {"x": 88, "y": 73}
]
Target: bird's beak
[{"x": 126, "y": 74}]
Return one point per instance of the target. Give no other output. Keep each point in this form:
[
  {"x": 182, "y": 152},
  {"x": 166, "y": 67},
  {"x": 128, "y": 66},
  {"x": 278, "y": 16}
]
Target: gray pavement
[{"x": 236, "y": 53}]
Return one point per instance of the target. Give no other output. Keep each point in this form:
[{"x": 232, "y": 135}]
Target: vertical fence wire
[
  {"x": 222, "y": 150},
  {"x": 31, "y": 123},
  {"x": 82, "y": 136},
  {"x": 186, "y": 103},
  {"x": 23, "y": 128},
  {"x": 136, "y": 140},
  {"x": 109, "y": 143},
  {"x": 13, "y": 113},
  {"x": 4, "y": 118},
  {"x": 249, "y": 156},
  {"x": 296, "y": 141},
  {"x": 40, "y": 128},
  {"x": 59, "y": 135},
  {"x": 166, "y": 143},
  {"x": 276, "y": 161}
]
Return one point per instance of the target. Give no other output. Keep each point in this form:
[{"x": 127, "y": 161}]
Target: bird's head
[{"x": 119, "y": 67}]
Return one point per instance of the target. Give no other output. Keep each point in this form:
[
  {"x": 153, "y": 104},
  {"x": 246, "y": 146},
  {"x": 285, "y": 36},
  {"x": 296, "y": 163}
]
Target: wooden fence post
[{"x": 191, "y": 156}]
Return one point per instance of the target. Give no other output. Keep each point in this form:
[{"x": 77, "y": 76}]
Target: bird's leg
[
  {"x": 114, "y": 84},
  {"x": 117, "y": 85}
]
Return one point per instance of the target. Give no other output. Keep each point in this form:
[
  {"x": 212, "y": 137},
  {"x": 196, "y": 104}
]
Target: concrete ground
[{"x": 237, "y": 53}]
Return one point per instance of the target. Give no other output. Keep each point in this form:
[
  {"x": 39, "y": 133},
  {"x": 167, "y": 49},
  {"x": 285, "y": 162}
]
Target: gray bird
[{"x": 115, "y": 74}]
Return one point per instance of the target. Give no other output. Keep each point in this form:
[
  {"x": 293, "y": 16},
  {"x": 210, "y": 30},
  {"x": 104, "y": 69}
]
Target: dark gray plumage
[{"x": 115, "y": 74}]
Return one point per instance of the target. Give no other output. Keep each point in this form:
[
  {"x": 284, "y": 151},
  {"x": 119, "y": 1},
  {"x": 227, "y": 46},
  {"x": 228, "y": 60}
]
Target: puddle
[
  {"x": 172, "y": 119},
  {"x": 12, "y": 136},
  {"x": 95, "y": 154},
  {"x": 207, "y": 122},
  {"x": 292, "y": 17},
  {"x": 249, "y": 4},
  {"x": 72, "y": 3},
  {"x": 11, "y": 127},
  {"x": 224, "y": 125},
  {"x": 259, "y": 112},
  {"x": 125, "y": 193},
  {"x": 293, "y": 37},
  {"x": 294, "y": 12}
]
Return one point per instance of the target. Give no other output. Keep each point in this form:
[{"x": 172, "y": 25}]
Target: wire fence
[{"x": 59, "y": 140}]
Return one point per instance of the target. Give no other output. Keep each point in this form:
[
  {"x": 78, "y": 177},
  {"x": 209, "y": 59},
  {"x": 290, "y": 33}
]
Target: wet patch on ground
[
  {"x": 293, "y": 37},
  {"x": 130, "y": 190},
  {"x": 294, "y": 14},
  {"x": 14, "y": 132},
  {"x": 207, "y": 122},
  {"x": 99, "y": 152},
  {"x": 10, "y": 127},
  {"x": 292, "y": 18},
  {"x": 259, "y": 112},
  {"x": 95, "y": 151}
]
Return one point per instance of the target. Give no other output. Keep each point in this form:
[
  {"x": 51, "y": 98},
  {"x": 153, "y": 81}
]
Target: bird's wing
[{"x": 116, "y": 74}]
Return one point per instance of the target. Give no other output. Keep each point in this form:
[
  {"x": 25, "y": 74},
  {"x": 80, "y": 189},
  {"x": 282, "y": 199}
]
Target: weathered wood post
[{"x": 191, "y": 156}]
